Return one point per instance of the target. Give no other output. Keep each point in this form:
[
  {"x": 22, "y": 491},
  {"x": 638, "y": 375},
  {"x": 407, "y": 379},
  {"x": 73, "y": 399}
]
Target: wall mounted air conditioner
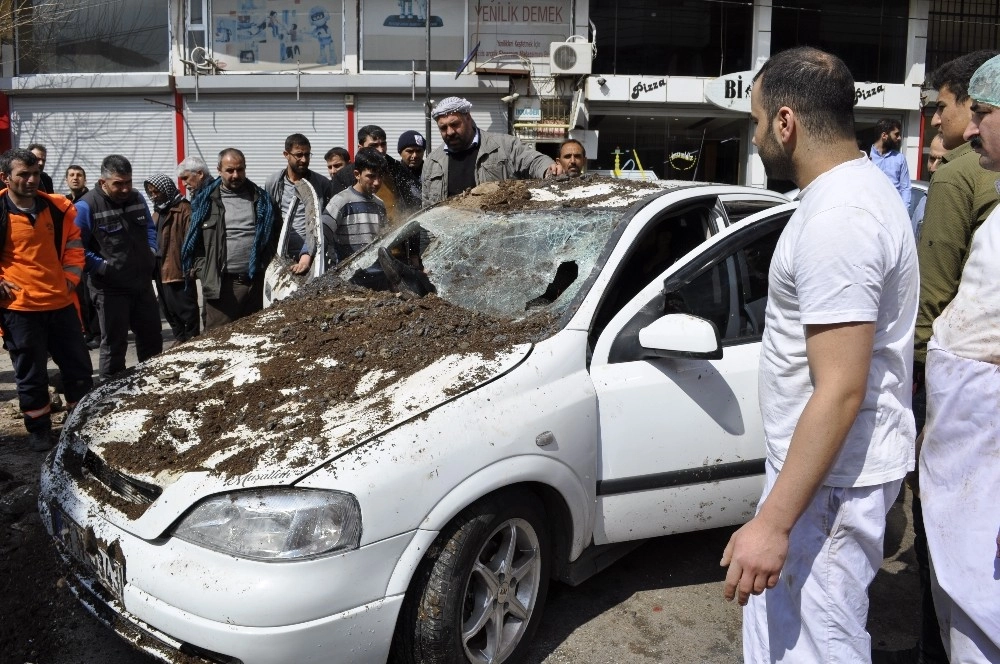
[{"x": 570, "y": 58}]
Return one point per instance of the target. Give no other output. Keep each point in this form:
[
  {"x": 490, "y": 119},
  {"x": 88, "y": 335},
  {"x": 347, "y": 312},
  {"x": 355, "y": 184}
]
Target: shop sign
[
  {"x": 731, "y": 91},
  {"x": 648, "y": 89},
  {"x": 518, "y": 27}
]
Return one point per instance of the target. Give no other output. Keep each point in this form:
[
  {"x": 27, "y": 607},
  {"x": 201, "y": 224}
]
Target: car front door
[{"x": 681, "y": 440}]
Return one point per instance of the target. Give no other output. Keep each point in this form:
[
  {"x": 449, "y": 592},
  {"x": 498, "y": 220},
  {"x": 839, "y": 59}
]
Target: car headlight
[{"x": 275, "y": 524}]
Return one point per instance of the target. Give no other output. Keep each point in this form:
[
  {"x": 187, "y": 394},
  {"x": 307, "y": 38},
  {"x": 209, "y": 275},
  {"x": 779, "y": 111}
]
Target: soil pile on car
[
  {"x": 361, "y": 337},
  {"x": 512, "y": 195}
]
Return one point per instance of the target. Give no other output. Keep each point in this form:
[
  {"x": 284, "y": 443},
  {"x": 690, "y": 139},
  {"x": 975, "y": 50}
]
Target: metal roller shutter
[
  {"x": 258, "y": 125},
  {"x": 398, "y": 113},
  {"x": 84, "y": 130}
]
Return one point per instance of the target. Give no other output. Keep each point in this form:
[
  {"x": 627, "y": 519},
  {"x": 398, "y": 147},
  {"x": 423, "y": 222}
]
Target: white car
[{"x": 356, "y": 473}]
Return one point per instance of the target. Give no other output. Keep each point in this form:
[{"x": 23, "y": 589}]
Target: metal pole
[{"x": 427, "y": 84}]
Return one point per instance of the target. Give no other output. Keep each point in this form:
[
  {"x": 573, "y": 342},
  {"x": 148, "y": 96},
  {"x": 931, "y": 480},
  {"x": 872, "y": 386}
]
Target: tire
[{"x": 477, "y": 597}]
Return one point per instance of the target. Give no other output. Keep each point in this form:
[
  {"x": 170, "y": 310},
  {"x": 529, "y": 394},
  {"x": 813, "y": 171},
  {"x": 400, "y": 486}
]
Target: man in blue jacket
[{"x": 119, "y": 236}]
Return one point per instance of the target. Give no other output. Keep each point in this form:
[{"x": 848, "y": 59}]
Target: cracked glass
[{"x": 507, "y": 265}]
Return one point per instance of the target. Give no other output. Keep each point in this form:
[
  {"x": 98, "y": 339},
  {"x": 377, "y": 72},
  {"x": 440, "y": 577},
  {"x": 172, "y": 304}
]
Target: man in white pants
[
  {"x": 835, "y": 375},
  {"x": 960, "y": 456}
]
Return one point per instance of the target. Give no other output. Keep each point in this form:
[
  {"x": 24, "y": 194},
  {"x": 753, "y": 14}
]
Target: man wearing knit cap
[
  {"x": 178, "y": 294},
  {"x": 471, "y": 156},
  {"x": 959, "y": 464},
  {"x": 411, "y": 147}
]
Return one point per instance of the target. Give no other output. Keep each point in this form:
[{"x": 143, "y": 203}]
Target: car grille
[{"x": 132, "y": 490}]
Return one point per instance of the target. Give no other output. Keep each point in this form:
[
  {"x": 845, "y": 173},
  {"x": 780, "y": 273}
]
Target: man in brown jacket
[{"x": 178, "y": 294}]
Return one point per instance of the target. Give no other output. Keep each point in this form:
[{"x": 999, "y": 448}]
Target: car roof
[{"x": 588, "y": 191}]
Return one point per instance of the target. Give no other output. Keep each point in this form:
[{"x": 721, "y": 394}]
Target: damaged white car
[{"x": 394, "y": 463}]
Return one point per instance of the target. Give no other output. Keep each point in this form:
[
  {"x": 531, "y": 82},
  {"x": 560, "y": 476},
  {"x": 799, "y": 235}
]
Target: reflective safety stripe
[
  {"x": 73, "y": 269},
  {"x": 107, "y": 213},
  {"x": 138, "y": 207},
  {"x": 74, "y": 244},
  {"x": 33, "y": 414}
]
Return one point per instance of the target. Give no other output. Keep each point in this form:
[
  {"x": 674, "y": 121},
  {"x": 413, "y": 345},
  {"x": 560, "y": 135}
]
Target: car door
[{"x": 681, "y": 439}]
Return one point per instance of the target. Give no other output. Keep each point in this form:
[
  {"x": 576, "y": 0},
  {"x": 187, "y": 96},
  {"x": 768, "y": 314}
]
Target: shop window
[
  {"x": 394, "y": 35},
  {"x": 93, "y": 36},
  {"x": 870, "y": 37},
  {"x": 679, "y": 38},
  {"x": 278, "y": 35}
]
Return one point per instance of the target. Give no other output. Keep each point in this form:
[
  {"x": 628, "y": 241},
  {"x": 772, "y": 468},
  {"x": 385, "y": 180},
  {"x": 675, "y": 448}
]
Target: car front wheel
[{"x": 478, "y": 595}]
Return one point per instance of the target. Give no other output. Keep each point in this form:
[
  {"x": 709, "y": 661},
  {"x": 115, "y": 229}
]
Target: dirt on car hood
[{"x": 281, "y": 391}]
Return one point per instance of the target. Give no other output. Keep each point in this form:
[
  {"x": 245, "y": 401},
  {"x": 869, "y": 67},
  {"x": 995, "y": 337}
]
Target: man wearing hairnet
[{"x": 960, "y": 457}]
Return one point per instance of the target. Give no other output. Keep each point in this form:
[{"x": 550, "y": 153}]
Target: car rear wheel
[{"x": 479, "y": 593}]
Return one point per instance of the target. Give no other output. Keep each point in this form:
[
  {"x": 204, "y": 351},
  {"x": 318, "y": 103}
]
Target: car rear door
[{"x": 681, "y": 440}]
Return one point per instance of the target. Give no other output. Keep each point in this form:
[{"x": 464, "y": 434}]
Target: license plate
[{"x": 103, "y": 559}]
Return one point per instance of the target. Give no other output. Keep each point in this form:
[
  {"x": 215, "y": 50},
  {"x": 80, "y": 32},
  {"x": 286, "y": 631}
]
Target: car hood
[{"x": 269, "y": 399}]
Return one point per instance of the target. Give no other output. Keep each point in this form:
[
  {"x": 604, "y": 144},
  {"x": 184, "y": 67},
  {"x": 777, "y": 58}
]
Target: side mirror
[{"x": 681, "y": 336}]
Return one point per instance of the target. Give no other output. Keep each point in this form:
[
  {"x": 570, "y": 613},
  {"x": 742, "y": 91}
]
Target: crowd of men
[{"x": 863, "y": 322}]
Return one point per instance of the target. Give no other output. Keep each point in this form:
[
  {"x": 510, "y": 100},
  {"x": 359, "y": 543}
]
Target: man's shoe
[{"x": 40, "y": 441}]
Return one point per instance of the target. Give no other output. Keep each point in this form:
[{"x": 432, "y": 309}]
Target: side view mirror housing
[{"x": 681, "y": 336}]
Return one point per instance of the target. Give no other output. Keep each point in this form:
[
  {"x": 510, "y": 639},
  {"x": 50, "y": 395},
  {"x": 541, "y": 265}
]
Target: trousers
[
  {"x": 30, "y": 337},
  {"x": 819, "y": 609}
]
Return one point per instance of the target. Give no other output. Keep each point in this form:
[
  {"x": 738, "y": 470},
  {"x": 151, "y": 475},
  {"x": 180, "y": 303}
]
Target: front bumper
[
  {"x": 358, "y": 636},
  {"x": 168, "y": 596}
]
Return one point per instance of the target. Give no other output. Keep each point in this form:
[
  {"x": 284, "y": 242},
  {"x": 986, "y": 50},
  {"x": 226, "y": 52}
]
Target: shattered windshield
[{"x": 506, "y": 264}]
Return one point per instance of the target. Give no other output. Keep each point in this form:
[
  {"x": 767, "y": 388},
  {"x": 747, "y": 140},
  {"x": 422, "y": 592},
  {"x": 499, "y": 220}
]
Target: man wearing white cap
[
  {"x": 471, "y": 156},
  {"x": 960, "y": 457}
]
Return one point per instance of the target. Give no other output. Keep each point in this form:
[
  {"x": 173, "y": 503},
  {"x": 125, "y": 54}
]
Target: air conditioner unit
[{"x": 570, "y": 58}]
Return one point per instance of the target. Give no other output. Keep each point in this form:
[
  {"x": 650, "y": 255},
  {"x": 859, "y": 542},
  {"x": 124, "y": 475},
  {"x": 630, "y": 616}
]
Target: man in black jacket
[
  {"x": 119, "y": 237},
  {"x": 41, "y": 151},
  {"x": 281, "y": 187}
]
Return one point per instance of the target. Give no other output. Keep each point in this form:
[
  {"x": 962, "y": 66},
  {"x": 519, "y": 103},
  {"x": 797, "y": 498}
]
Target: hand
[
  {"x": 305, "y": 260},
  {"x": 755, "y": 555},
  {"x": 555, "y": 168},
  {"x": 7, "y": 289}
]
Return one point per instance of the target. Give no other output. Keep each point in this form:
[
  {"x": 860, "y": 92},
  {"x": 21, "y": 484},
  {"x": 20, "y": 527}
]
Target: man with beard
[
  {"x": 959, "y": 466},
  {"x": 886, "y": 155},
  {"x": 40, "y": 264},
  {"x": 411, "y": 147},
  {"x": 469, "y": 156},
  {"x": 232, "y": 237},
  {"x": 572, "y": 157},
  {"x": 281, "y": 187},
  {"x": 834, "y": 375},
  {"x": 119, "y": 236}
]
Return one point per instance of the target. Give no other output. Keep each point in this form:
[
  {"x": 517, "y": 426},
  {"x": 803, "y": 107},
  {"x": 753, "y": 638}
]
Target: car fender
[{"x": 508, "y": 472}]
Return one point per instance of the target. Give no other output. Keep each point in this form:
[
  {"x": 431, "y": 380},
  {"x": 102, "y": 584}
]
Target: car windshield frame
[{"x": 465, "y": 261}]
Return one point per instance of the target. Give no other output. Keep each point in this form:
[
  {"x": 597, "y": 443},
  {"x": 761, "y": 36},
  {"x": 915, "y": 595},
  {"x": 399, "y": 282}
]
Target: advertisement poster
[
  {"x": 275, "y": 35},
  {"x": 394, "y": 33},
  {"x": 518, "y": 27}
]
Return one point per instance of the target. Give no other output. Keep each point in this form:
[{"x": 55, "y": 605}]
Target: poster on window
[
  {"x": 395, "y": 32},
  {"x": 276, "y": 35},
  {"x": 518, "y": 27}
]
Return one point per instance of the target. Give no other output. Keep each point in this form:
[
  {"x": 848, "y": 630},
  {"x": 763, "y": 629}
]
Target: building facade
[{"x": 644, "y": 83}]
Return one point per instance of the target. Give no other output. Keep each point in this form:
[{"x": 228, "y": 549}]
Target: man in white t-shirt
[{"x": 835, "y": 375}]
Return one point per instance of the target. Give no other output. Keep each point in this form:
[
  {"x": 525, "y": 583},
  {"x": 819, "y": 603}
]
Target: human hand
[
  {"x": 755, "y": 555},
  {"x": 7, "y": 289},
  {"x": 555, "y": 168},
  {"x": 305, "y": 260}
]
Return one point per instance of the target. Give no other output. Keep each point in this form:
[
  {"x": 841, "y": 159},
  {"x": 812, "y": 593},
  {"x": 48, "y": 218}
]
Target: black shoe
[
  {"x": 40, "y": 441},
  {"x": 93, "y": 343}
]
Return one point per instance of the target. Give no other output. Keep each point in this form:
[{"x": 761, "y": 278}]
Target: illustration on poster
[
  {"x": 251, "y": 33},
  {"x": 407, "y": 18}
]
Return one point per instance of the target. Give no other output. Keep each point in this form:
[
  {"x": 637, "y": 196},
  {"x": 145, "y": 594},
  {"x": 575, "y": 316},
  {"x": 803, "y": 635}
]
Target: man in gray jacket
[{"x": 470, "y": 156}]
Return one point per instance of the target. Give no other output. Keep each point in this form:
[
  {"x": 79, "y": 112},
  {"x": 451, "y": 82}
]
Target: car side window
[
  {"x": 662, "y": 242},
  {"x": 731, "y": 292}
]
